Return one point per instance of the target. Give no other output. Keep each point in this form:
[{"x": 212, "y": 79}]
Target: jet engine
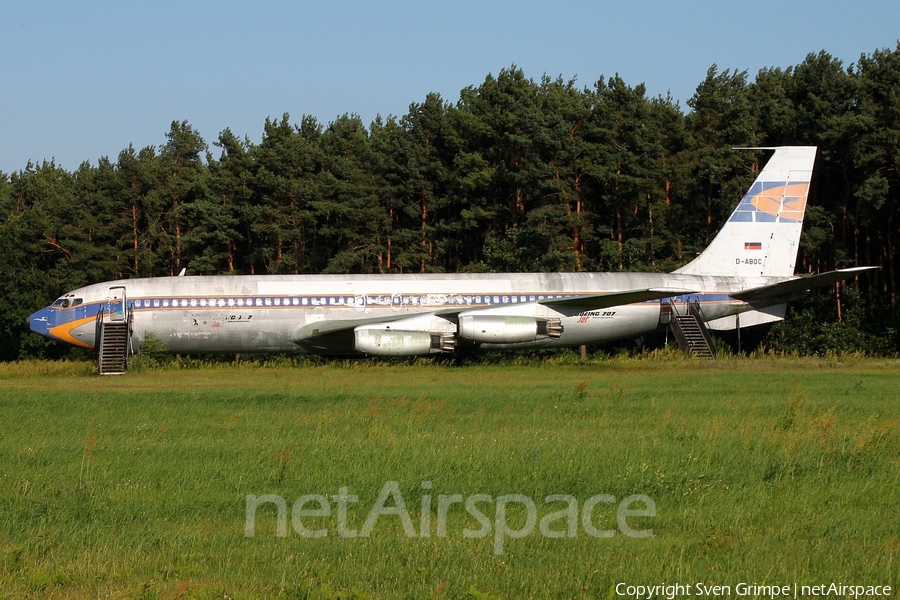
[
  {"x": 383, "y": 341},
  {"x": 505, "y": 329}
]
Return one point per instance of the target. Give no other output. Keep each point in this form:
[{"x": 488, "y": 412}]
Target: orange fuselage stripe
[{"x": 64, "y": 332}]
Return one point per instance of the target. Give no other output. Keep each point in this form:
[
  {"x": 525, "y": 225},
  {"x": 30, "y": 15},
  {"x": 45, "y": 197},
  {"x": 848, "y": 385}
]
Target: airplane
[{"x": 744, "y": 277}]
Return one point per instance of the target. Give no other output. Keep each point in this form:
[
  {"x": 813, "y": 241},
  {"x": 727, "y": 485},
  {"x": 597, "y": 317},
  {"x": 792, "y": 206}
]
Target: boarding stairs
[
  {"x": 114, "y": 334},
  {"x": 690, "y": 330}
]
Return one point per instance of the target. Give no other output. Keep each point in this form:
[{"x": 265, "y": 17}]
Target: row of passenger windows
[
  {"x": 214, "y": 302},
  {"x": 349, "y": 301}
]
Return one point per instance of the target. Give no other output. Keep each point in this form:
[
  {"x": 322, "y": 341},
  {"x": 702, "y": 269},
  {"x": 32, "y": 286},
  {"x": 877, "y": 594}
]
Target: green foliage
[
  {"x": 812, "y": 328},
  {"x": 517, "y": 175},
  {"x": 153, "y": 354}
]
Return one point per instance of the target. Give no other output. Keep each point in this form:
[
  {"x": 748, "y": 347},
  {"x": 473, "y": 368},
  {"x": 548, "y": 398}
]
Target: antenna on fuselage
[{"x": 183, "y": 271}]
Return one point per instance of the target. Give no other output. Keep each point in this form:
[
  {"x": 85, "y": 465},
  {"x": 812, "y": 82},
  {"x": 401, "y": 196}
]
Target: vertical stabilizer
[{"x": 762, "y": 235}]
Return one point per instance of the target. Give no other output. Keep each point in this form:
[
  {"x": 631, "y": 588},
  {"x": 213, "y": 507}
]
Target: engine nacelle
[
  {"x": 506, "y": 329},
  {"x": 382, "y": 341}
]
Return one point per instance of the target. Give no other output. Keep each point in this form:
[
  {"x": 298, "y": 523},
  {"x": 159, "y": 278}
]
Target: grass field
[{"x": 767, "y": 471}]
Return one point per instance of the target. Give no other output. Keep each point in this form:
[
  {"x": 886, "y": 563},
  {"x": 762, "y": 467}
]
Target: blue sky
[{"x": 83, "y": 80}]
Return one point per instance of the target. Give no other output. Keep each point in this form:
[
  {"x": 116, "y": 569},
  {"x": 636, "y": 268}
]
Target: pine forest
[{"x": 516, "y": 175}]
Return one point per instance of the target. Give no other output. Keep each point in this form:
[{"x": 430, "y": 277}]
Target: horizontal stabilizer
[
  {"x": 768, "y": 314},
  {"x": 606, "y": 300},
  {"x": 798, "y": 285}
]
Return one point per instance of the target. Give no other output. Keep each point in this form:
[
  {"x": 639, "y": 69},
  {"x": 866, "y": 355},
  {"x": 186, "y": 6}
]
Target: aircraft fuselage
[{"x": 262, "y": 313}]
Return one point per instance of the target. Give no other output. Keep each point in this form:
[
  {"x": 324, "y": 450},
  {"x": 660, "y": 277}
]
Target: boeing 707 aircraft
[{"x": 744, "y": 277}]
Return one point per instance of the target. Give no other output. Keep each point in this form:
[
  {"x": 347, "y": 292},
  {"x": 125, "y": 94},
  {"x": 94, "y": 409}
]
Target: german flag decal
[{"x": 752, "y": 245}]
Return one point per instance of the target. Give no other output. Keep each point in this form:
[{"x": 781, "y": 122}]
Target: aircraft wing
[
  {"x": 609, "y": 299},
  {"x": 597, "y": 301},
  {"x": 320, "y": 328},
  {"x": 798, "y": 285}
]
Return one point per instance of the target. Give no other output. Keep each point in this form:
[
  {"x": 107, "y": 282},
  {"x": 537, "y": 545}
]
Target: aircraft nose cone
[{"x": 41, "y": 321}]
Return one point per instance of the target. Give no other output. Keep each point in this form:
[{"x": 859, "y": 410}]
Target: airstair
[
  {"x": 689, "y": 328},
  {"x": 114, "y": 334}
]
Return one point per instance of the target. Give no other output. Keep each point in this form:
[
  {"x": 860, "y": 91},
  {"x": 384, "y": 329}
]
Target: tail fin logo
[
  {"x": 773, "y": 202},
  {"x": 762, "y": 235}
]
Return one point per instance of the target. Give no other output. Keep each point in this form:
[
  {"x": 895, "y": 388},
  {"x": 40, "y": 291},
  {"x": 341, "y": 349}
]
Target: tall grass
[{"x": 769, "y": 470}]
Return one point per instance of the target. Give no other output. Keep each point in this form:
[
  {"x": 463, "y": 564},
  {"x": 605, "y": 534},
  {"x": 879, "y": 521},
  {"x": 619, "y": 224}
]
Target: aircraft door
[
  {"x": 359, "y": 302},
  {"x": 665, "y": 311},
  {"x": 396, "y": 302},
  {"x": 116, "y": 306}
]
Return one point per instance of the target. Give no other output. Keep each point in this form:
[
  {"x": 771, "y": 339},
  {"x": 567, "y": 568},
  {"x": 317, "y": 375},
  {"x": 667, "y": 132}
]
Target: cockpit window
[
  {"x": 77, "y": 302},
  {"x": 62, "y": 303}
]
